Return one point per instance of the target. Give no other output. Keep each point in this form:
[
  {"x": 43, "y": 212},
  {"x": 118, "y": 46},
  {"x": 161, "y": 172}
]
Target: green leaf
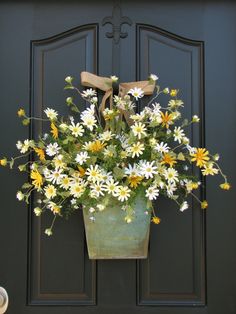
[
  {"x": 92, "y": 160},
  {"x": 180, "y": 156},
  {"x": 26, "y": 186},
  {"x": 149, "y": 204},
  {"x": 22, "y": 167},
  {"x": 69, "y": 87},
  {"x": 118, "y": 173},
  {"x": 75, "y": 109},
  {"x": 65, "y": 141},
  {"x": 41, "y": 145}
]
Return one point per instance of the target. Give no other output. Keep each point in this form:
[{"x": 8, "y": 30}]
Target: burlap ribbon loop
[{"x": 105, "y": 84}]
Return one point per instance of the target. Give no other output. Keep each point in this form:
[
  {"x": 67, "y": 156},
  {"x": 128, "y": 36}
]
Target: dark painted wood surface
[{"x": 192, "y": 255}]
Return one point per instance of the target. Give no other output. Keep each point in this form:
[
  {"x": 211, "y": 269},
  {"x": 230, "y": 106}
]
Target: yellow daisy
[
  {"x": 40, "y": 152},
  {"x": 200, "y": 156},
  {"x": 134, "y": 181},
  {"x": 168, "y": 159},
  {"x": 54, "y": 131},
  {"x": 37, "y": 179},
  {"x": 96, "y": 146},
  {"x": 167, "y": 119}
]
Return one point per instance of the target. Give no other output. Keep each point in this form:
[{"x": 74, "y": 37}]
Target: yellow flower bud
[
  {"x": 3, "y": 162},
  {"x": 225, "y": 186},
  {"x": 173, "y": 92},
  {"x": 21, "y": 112},
  {"x": 204, "y": 204},
  {"x": 156, "y": 220},
  {"x": 166, "y": 90}
]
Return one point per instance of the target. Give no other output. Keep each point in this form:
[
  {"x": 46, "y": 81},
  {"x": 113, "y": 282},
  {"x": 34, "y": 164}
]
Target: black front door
[{"x": 191, "y": 46}]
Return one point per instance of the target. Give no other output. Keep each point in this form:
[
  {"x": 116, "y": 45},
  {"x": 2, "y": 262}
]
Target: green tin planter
[{"x": 110, "y": 237}]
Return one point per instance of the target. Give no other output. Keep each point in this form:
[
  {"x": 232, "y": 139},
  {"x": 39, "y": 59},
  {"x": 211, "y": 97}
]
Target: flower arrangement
[{"x": 111, "y": 153}]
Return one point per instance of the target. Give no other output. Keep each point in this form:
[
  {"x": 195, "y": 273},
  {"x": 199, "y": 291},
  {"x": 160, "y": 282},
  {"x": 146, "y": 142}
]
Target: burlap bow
[{"x": 105, "y": 84}]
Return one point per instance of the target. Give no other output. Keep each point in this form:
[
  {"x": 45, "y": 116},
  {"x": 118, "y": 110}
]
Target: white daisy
[
  {"x": 97, "y": 189},
  {"x": 93, "y": 173},
  {"x": 65, "y": 182},
  {"x": 162, "y": 147},
  {"x": 148, "y": 169},
  {"x": 81, "y": 157},
  {"x": 156, "y": 108},
  {"x": 94, "y": 100},
  {"x": 51, "y": 113},
  {"x": 54, "y": 207},
  {"x": 88, "y": 93},
  {"x": 106, "y": 176},
  {"x": 52, "y": 149},
  {"x": 58, "y": 161},
  {"x": 55, "y": 176},
  {"x": 111, "y": 187},
  {"x": 50, "y": 191},
  {"x": 76, "y": 129},
  {"x": 77, "y": 189},
  {"x": 19, "y": 145},
  {"x": 25, "y": 146},
  {"x": 178, "y": 134},
  {"x": 136, "y": 149},
  {"x": 170, "y": 188},
  {"x": 191, "y": 149},
  {"x": 73, "y": 201},
  {"x": 139, "y": 129},
  {"x": 106, "y": 136},
  {"x": 153, "y": 77},
  {"x": 183, "y": 206},
  {"x": 132, "y": 170},
  {"x": 171, "y": 175},
  {"x": 136, "y": 92},
  {"x": 152, "y": 193},
  {"x": 123, "y": 193},
  {"x": 89, "y": 121},
  {"x": 137, "y": 117}
]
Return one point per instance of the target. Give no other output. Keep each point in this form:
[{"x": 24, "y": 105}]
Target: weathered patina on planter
[{"x": 110, "y": 237}]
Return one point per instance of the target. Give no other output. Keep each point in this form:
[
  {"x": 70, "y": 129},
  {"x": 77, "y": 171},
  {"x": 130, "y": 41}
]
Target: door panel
[
  {"x": 191, "y": 46},
  {"x": 164, "y": 278}
]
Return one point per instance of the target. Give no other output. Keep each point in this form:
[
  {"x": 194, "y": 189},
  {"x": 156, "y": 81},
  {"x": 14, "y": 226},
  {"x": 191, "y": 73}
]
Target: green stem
[
  {"x": 196, "y": 197},
  {"x": 223, "y": 175}
]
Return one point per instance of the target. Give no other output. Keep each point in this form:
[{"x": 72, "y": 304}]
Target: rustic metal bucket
[{"x": 110, "y": 237}]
